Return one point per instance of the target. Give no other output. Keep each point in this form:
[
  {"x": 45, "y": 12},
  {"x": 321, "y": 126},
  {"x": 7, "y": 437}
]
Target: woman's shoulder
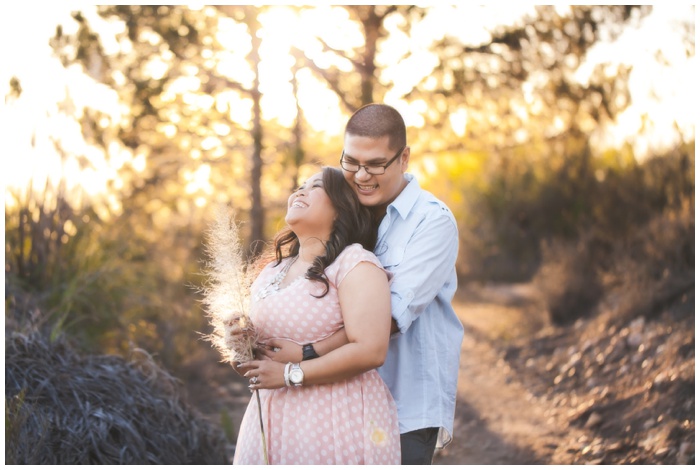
[
  {"x": 356, "y": 251},
  {"x": 348, "y": 259}
]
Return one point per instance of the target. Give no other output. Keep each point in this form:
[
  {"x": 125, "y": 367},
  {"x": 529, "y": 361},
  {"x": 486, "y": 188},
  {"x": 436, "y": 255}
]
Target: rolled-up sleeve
[{"x": 428, "y": 262}]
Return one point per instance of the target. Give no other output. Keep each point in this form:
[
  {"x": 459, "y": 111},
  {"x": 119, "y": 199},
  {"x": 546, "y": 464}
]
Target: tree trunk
[{"x": 257, "y": 211}]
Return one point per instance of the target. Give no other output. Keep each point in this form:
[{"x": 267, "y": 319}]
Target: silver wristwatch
[{"x": 296, "y": 375}]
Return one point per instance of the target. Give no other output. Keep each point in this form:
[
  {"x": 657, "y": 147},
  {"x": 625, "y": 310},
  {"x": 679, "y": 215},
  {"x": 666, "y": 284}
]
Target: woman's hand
[
  {"x": 238, "y": 367},
  {"x": 280, "y": 350},
  {"x": 264, "y": 374}
]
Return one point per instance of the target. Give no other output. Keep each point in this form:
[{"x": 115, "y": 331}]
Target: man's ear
[{"x": 405, "y": 157}]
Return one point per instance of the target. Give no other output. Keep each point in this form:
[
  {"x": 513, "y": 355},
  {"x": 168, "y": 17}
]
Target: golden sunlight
[{"x": 53, "y": 94}]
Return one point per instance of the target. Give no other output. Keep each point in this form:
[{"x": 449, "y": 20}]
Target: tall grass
[
  {"x": 53, "y": 257},
  {"x": 96, "y": 278}
]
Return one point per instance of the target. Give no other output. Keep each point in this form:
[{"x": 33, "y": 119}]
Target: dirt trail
[{"x": 497, "y": 420}]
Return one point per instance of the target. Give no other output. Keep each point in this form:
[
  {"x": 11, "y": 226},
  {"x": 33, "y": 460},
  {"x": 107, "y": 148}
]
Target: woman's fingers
[{"x": 265, "y": 375}]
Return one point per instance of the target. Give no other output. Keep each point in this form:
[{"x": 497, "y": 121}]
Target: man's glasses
[{"x": 371, "y": 169}]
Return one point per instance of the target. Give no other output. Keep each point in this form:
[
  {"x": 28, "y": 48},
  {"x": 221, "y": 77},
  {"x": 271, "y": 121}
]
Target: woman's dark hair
[{"x": 353, "y": 224}]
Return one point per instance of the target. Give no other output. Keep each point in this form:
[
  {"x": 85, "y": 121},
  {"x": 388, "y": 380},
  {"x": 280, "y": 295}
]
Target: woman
[{"x": 333, "y": 409}]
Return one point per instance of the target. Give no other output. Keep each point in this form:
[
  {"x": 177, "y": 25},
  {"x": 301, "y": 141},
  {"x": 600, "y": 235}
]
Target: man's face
[{"x": 375, "y": 191}]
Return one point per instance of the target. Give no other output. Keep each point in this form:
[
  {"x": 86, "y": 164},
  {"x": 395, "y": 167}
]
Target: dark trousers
[{"x": 417, "y": 446}]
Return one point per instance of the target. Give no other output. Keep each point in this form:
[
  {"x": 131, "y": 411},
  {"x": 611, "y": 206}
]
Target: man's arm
[
  {"x": 427, "y": 264},
  {"x": 282, "y": 350}
]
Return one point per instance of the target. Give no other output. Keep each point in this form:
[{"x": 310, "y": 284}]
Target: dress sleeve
[
  {"x": 348, "y": 259},
  {"x": 263, "y": 277}
]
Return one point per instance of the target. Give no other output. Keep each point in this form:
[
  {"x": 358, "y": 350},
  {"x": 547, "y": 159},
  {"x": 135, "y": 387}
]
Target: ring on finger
[{"x": 254, "y": 380}]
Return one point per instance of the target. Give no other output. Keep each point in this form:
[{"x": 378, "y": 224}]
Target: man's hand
[
  {"x": 394, "y": 326},
  {"x": 279, "y": 350}
]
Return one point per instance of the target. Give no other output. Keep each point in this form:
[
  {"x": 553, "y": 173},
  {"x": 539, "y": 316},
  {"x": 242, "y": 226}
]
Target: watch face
[{"x": 296, "y": 376}]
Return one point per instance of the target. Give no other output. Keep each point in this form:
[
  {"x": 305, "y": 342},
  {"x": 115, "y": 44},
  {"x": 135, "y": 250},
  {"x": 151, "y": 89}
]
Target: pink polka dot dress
[{"x": 352, "y": 422}]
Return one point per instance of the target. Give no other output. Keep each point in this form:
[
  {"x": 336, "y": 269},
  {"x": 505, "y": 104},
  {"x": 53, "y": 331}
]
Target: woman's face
[{"x": 309, "y": 209}]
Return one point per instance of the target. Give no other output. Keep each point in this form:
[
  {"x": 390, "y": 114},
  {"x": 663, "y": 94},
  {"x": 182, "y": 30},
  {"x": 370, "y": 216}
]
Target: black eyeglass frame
[{"x": 374, "y": 167}]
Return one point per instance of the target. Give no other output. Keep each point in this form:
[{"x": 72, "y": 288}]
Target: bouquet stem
[{"x": 262, "y": 429}]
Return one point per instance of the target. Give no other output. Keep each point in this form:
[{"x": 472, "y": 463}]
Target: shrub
[
  {"x": 65, "y": 409},
  {"x": 569, "y": 277},
  {"x": 655, "y": 266}
]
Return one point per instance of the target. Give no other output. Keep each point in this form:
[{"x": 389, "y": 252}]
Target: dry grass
[
  {"x": 569, "y": 280},
  {"x": 656, "y": 266},
  {"x": 62, "y": 408},
  {"x": 226, "y": 294},
  {"x": 639, "y": 273}
]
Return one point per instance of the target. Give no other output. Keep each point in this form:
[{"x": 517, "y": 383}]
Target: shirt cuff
[{"x": 399, "y": 309}]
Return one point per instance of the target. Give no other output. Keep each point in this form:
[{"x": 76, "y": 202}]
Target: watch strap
[
  {"x": 286, "y": 374},
  {"x": 308, "y": 352}
]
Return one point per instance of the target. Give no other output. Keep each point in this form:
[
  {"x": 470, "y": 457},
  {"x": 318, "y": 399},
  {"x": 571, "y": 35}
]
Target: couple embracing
[{"x": 359, "y": 349}]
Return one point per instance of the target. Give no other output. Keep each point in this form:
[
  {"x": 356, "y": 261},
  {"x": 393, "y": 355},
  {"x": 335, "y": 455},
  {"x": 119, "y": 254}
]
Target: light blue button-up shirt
[{"x": 418, "y": 243}]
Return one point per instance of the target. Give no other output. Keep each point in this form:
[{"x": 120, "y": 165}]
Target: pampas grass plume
[{"x": 226, "y": 294}]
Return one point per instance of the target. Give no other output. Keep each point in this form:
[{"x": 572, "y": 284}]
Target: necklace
[{"x": 274, "y": 284}]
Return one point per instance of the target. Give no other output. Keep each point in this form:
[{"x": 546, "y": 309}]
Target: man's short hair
[{"x": 376, "y": 121}]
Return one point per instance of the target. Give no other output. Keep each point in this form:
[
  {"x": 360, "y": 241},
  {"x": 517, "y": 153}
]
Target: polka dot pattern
[{"x": 352, "y": 422}]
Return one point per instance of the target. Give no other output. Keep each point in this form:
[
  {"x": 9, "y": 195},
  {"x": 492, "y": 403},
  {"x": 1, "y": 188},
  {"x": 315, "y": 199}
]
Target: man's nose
[{"x": 362, "y": 173}]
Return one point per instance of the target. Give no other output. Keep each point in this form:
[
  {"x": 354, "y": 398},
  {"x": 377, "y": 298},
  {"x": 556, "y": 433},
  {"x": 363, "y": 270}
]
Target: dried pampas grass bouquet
[
  {"x": 226, "y": 294},
  {"x": 227, "y": 298}
]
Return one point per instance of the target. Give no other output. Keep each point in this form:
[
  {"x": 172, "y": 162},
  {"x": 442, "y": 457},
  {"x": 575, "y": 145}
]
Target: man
[{"x": 418, "y": 243}]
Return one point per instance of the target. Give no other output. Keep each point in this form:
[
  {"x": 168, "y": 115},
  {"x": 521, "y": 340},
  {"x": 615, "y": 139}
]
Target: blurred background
[{"x": 562, "y": 138}]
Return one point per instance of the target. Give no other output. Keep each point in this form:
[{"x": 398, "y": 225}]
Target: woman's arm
[
  {"x": 366, "y": 308},
  {"x": 365, "y": 301}
]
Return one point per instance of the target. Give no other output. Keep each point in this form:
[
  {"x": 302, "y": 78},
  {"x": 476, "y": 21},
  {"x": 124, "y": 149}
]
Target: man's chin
[{"x": 368, "y": 200}]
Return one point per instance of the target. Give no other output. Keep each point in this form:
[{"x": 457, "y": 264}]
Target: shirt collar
[{"x": 405, "y": 201}]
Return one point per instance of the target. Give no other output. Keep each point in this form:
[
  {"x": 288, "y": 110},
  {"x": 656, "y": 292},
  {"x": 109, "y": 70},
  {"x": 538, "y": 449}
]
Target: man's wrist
[{"x": 308, "y": 352}]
